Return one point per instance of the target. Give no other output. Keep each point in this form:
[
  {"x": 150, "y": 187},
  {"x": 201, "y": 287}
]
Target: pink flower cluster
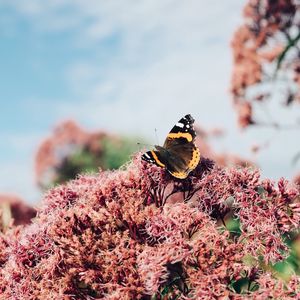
[
  {"x": 138, "y": 233},
  {"x": 266, "y": 43}
]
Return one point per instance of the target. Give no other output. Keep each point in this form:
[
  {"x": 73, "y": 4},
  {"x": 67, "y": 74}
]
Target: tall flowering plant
[
  {"x": 266, "y": 67},
  {"x": 266, "y": 59},
  {"x": 138, "y": 233}
]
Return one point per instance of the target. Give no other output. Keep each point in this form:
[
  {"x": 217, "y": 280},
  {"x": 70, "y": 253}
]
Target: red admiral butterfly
[{"x": 179, "y": 155}]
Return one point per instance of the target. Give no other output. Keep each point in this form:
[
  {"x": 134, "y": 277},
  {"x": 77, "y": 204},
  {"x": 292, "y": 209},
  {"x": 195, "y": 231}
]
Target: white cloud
[{"x": 171, "y": 55}]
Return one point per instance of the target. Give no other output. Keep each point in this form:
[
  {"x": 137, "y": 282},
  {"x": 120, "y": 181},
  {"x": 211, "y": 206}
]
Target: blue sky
[{"x": 125, "y": 66}]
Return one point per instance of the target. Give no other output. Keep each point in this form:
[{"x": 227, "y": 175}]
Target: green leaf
[
  {"x": 291, "y": 44},
  {"x": 243, "y": 286}
]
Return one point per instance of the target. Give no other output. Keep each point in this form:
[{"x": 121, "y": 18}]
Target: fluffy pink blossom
[{"x": 138, "y": 233}]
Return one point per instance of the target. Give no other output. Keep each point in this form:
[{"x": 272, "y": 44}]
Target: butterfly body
[{"x": 179, "y": 155}]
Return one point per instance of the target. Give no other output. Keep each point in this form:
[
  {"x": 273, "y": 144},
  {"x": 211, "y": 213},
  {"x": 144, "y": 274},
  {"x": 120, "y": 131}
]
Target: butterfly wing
[
  {"x": 182, "y": 160},
  {"x": 182, "y": 132},
  {"x": 183, "y": 155},
  {"x": 154, "y": 157},
  {"x": 179, "y": 155}
]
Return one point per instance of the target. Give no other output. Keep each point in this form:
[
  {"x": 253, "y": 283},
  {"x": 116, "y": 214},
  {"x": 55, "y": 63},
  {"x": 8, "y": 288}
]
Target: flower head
[{"x": 138, "y": 232}]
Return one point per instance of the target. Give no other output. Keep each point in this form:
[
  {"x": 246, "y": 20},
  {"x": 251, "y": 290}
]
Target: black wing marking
[
  {"x": 154, "y": 157},
  {"x": 185, "y": 124},
  {"x": 183, "y": 132}
]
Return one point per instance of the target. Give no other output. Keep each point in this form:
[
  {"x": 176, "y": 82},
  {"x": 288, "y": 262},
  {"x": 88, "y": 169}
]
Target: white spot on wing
[{"x": 180, "y": 125}]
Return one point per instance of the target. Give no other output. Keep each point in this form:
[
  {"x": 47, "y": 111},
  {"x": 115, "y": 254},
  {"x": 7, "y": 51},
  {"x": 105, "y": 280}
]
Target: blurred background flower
[{"x": 71, "y": 151}]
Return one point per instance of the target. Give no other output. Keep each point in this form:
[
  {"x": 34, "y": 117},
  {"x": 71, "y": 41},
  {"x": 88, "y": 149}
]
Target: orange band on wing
[
  {"x": 185, "y": 135},
  {"x": 195, "y": 159},
  {"x": 180, "y": 175},
  {"x": 157, "y": 160}
]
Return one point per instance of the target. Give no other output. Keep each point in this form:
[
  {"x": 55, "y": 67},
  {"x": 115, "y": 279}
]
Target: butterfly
[{"x": 179, "y": 155}]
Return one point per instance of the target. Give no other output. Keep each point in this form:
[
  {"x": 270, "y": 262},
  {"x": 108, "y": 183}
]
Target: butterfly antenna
[{"x": 156, "y": 136}]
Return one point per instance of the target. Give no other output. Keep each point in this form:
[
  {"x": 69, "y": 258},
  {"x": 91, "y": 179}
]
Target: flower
[
  {"x": 265, "y": 50},
  {"x": 70, "y": 150},
  {"x": 138, "y": 232}
]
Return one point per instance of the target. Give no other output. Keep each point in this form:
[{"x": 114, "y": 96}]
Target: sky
[{"x": 125, "y": 66}]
